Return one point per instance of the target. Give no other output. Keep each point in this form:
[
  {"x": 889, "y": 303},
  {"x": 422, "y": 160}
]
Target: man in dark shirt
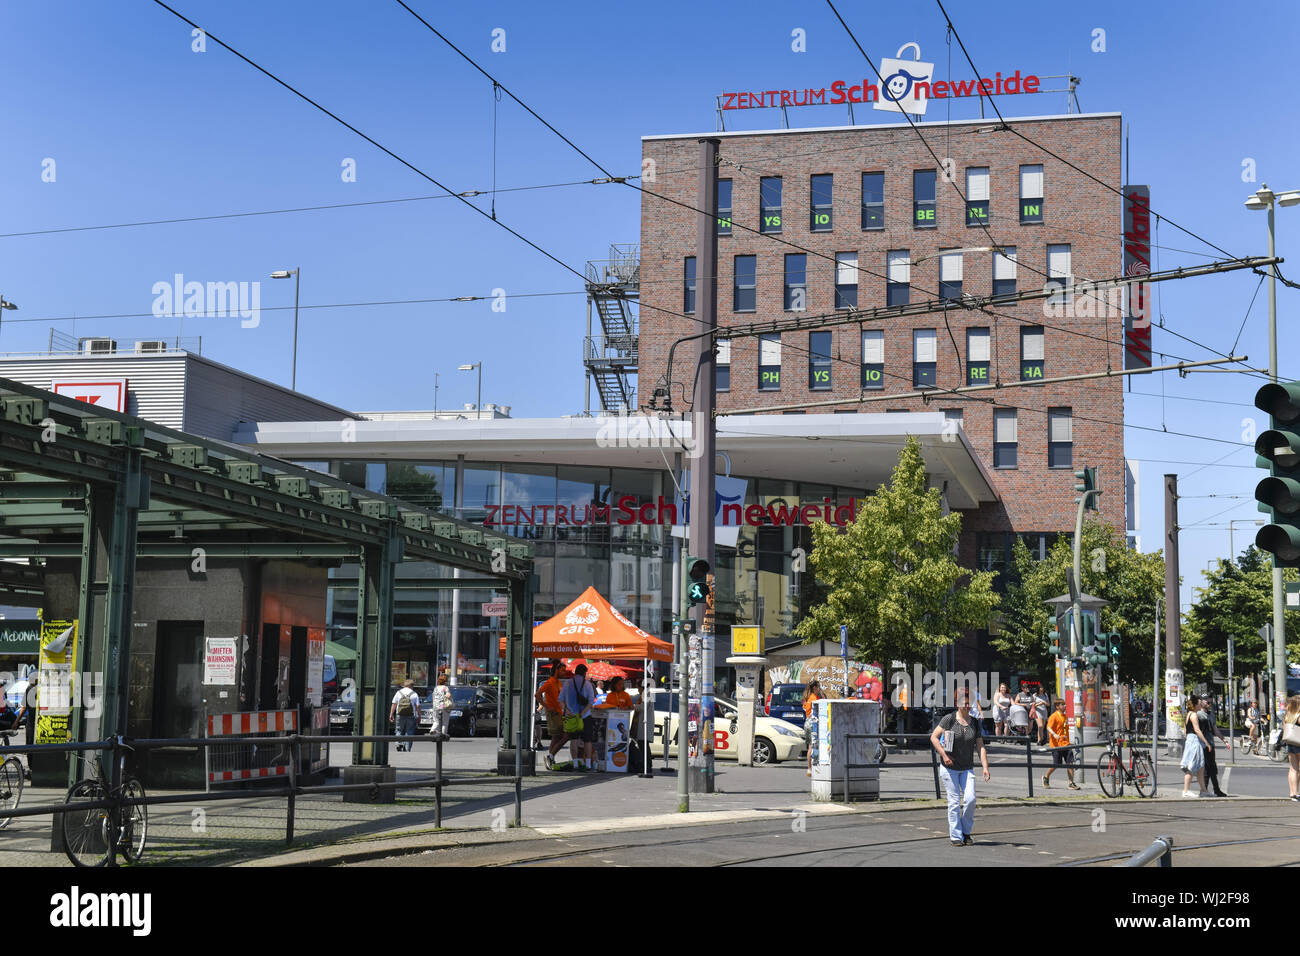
[{"x": 1210, "y": 731}]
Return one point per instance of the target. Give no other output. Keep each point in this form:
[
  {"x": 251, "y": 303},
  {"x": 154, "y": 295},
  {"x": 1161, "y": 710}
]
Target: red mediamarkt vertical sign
[{"x": 1137, "y": 262}]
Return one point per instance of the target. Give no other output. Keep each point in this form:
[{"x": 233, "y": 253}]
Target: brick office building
[{"x": 864, "y": 216}]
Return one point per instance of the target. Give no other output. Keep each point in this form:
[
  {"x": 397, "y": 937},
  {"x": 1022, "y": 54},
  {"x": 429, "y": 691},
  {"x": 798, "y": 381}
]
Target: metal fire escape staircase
[{"x": 611, "y": 357}]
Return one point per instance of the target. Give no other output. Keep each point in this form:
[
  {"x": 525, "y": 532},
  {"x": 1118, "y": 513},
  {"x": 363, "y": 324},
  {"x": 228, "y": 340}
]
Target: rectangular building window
[
  {"x": 688, "y": 297},
  {"x": 821, "y": 213},
  {"x": 957, "y": 415},
  {"x": 873, "y": 358},
  {"x": 796, "y": 282},
  {"x": 724, "y": 207},
  {"x": 950, "y": 271},
  {"x": 744, "y": 293},
  {"x": 977, "y": 196},
  {"x": 846, "y": 280},
  {"x": 923, "y": 211},
  {"x": 769, "y": 362},
  {"x": 873, "y": 200},
  {"x": 1004, "y": 438},
  {"x": 723, "y": 365},
  {"x": 1031, "y": 352},
  {"x": 769, "y": 204},
  {"x": 977, "y": 356},
  {"x": 1059, "y": 273},
  {"x": 1060, "y": 438},
  {"x": 925, "y": 343},
  {"x": 1004, "y": 271},
  {"x": 1031, "y": 193},
  {"x": 819, "y": 361},
  {"x": 898, "y": 277}
]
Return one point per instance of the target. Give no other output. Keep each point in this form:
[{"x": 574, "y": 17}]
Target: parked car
[
  {"x": 341, "y": 714},
  {"x": 774, "y": 740},
  {"x": 786, "y": 703},
  {"x": 473, "y": 711}
]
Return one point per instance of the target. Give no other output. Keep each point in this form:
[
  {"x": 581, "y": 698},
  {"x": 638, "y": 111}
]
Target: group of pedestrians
[
  {"x": 568, "y": 700},
  {"x": 404, "y": 711},
  {"x": 1021, "y": 714},
  {"x": 1198, "y": 753}
]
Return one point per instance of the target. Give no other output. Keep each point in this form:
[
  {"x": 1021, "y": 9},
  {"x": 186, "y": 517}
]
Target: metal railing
[
  {"x": 289, "y": 790},
  {"x": 1027, "y": 742},
  {"x": 1162, "y": 850}
]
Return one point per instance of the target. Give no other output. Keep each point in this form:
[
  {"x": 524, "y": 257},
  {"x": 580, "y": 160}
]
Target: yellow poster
[{"x": 55, "y": 687}]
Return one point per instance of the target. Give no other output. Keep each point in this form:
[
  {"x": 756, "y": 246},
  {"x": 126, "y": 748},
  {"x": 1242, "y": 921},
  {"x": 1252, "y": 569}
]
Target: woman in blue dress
[{"x": 1193, "y": 762}]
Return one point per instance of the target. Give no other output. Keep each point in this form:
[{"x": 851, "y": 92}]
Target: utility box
[
  {"x": 836, "y": 720},
  {"x": 747, "y": 691}
]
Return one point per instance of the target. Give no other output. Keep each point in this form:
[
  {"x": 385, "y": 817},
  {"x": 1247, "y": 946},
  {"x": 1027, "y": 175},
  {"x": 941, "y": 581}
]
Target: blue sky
[{"x": 141, "y": 127}]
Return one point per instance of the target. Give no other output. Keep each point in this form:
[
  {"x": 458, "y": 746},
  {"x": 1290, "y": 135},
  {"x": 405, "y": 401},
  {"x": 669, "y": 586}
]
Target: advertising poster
[
  {"x": 823, "y": 741},
  {"x": 617, "y": 739},
  {"x": 219, "y": 660},
  {"x": 420, "y": 673},
  {"x": 1174, "y": 715},
  {"x": 315, "y": 665},
  {"x": 397, "y": 672},
  {"x": 58, "y": 654}
]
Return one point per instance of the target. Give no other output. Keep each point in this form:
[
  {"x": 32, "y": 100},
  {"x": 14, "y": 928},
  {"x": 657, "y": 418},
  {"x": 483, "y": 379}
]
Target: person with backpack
[
  {"x": 405, "y": 712},
  {"x": 441, "y": 701},
  {"x": 577, "y": 696}
]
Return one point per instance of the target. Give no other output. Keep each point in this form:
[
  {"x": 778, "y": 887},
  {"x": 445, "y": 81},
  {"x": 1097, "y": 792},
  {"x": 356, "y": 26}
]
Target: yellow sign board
[
  {"x": 746, "y": 641},
  {"x": 55, "y": 690}
]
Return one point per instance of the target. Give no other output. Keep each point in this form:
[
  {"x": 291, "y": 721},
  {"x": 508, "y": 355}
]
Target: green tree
[
  {"x": 1129, "y": 580},
  {"x": 1237, "y": 601},
  {"x": 891, "y": 575}
]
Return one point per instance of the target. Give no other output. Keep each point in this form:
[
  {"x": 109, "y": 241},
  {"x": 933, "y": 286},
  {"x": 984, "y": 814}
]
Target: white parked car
[{"x": 774, "y": 740}]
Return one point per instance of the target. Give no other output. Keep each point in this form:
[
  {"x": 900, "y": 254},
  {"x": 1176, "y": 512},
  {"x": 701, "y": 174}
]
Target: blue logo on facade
[{"x": 898, "y": 85}]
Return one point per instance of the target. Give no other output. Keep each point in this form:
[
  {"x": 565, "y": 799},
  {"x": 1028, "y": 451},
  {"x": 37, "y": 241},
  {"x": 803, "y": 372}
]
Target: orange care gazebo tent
[{"x": 593, "y": 628}]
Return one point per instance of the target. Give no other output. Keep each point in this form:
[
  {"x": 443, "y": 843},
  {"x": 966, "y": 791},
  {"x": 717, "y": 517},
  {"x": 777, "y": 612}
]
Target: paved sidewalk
[{"x": 479, "y": 807}]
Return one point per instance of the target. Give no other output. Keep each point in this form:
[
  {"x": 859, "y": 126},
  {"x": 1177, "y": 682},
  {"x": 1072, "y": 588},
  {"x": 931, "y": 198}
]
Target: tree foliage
[
  {"x": 1129, "y": 580},
  {"x": 892, "y": 575},
  {"x": 1237, "y": 601}
]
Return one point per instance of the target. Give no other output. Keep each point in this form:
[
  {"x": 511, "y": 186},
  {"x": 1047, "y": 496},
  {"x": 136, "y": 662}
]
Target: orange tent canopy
[{"x": 592, "y": 627}]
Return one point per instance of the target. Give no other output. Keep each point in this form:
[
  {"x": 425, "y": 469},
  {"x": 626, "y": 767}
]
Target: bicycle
[
  {"x": 1112, "y": 774},
  {"x": 12, "y": 775},
  {"x": 92, "y": 836}
]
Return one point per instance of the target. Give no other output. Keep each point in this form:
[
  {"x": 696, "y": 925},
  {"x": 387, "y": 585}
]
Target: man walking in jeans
[{"x": 405, "y": 711}]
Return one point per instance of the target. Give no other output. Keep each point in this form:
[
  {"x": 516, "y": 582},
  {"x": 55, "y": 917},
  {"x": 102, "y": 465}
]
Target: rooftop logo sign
[{"x": 907, "y": 87}]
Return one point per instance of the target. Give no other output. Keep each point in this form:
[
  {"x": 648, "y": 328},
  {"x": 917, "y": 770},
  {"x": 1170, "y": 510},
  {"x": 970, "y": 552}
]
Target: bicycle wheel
[
  {"x": 1143, "y": 779},
  {"x": 135, "y": 822},
  {"x": 85, "y": 832},
  {"x": 11, "y": 789},
  {"x": 1110, "y": 774}
]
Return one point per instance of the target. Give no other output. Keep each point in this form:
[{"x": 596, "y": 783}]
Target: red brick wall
[{"x": 1076, "y": 210}]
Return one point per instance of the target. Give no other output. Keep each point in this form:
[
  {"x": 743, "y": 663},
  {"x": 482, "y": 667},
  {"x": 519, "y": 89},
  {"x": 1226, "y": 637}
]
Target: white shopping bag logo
[{"x": 898, "y": 79}]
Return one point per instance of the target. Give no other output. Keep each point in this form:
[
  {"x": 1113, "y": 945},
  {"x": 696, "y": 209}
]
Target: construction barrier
[{"x": 237, "y": 762}]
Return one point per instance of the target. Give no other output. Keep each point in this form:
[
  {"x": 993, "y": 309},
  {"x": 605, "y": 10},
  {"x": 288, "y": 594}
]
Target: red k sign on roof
[{"x": 103, "y": 392}]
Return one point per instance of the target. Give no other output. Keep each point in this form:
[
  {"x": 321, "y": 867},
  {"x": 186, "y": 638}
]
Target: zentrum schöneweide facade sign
[
  {"x": 906, "y": 87},
  {"x": 629, "y": 510}
]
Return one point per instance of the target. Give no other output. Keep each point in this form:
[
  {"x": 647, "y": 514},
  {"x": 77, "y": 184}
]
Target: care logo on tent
[{"x": 579, "y": 618}]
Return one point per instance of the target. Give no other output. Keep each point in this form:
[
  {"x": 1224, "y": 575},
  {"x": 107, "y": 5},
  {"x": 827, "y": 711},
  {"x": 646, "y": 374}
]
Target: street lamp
[
  {"x": 284, "y": 274},
  {"x": 6, "y": 305},
  {"x": 478, "y": 404},
  {"x": 1265, "y": 199}
]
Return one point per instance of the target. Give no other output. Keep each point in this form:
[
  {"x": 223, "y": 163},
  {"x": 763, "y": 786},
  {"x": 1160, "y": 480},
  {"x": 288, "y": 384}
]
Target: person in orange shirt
[
  {"x": 548, "y": 696},
  {"x": 812, "y": 693},
  {"x": 1059, "y": 737},
  {"x": 616, "y": 697}
]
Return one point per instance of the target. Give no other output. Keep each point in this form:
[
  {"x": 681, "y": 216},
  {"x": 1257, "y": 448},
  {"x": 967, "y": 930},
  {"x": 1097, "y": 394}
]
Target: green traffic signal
[
  {"x": 1114, "y": 648},
  {"x": 1085, "y": 482},
  {"x": 697, "y": 587},
  {"x": 1278, "y": 449}
]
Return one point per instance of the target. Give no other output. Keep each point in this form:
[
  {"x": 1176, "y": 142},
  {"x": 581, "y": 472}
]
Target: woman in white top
[{"x": 1001, "y": 711}]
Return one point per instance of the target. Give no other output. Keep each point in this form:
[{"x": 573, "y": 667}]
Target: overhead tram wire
[
  {"x": 469, "y": 193},
  {"x": 953, "y": 182},
  {"x": 585, "y": 155},
  {"x": 979, "y": 80}
]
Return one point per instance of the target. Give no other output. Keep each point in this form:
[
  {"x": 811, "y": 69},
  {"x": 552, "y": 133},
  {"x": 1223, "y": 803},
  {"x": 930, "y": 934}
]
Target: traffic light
[
  {"x": 1054, "y": 644},
  {"x": 1114, "y": 648},
  {"x": 1093, "y": 654},
  {"x": 697, "y": 585},
  {"x": 1085, "y": 481},
  {"x": 1278, "y": 450},
  {"x": 1103, "y": 647}
]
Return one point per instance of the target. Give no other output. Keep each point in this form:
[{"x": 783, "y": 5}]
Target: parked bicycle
[
  {"x": 12, "y": 775},
  {"x": 1113, "y": 772},
  {"x": 92, "y": 836}
]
